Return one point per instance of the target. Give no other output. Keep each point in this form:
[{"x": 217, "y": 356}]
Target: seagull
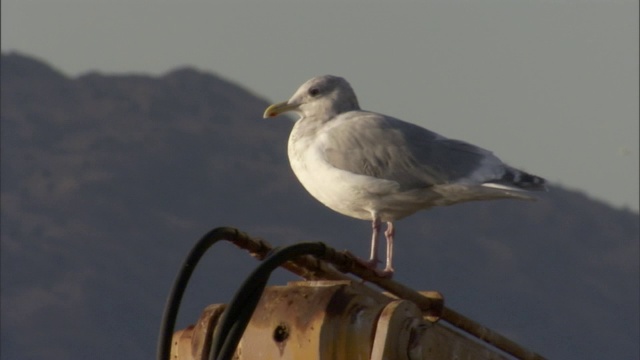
[{"x": 375, "y": 167}]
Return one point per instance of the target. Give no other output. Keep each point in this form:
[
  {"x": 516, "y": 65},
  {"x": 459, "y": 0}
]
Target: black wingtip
[{"x": 523, "y": 180}]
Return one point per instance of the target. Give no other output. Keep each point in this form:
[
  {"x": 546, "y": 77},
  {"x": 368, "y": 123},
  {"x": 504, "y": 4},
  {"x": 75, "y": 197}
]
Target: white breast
[{"x": 350, "y": 194}]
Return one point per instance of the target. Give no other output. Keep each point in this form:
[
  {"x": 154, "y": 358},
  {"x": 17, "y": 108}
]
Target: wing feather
[{"x": 389, "y": 148}]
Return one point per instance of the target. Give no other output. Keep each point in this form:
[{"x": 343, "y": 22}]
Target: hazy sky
[{"x": 549, "y": 86}]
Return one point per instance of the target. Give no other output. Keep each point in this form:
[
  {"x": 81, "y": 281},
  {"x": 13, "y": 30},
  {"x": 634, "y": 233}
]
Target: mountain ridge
[{"x": 107, "y": 180}]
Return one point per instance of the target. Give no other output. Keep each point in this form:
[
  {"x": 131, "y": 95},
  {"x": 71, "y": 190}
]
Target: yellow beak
[{"x": 277, "y": 109}]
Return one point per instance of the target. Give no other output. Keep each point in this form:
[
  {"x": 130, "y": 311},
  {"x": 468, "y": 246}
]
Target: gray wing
[{"x": 384, "y": 147}]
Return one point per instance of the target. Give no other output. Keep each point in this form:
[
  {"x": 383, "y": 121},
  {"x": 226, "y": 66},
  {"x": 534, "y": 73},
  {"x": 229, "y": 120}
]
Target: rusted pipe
[{"x": 313, "y": 269}]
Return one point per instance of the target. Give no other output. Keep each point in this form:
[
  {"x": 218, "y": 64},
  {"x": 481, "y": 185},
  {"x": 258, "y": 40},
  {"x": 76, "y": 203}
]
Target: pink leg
[
  {"x": 373, "y": 258},
  {"x": 389, "y": 233}
]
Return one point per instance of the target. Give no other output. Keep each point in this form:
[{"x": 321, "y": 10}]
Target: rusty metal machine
[{"x": 331, "y": 315}]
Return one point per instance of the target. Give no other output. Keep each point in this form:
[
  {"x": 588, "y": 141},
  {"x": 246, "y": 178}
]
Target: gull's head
[{"x": 322, "y": 96}]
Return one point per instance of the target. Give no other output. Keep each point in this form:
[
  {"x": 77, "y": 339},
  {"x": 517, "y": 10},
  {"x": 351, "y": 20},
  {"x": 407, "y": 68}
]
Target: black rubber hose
[{"x": 180, "y": 284}]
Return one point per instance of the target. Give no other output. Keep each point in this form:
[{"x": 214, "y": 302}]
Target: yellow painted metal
[
  {"x": 396, "y": 324},
  {"x": 191, "y": 342},
  {"x": 319, "y": 320},
  {"x": 437, "y": 342},
  {"x": 333, "y": 320}
]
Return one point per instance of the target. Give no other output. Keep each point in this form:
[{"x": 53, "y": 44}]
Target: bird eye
[{"x": 314, "y": 91}]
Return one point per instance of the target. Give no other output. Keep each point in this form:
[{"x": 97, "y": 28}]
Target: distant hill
[{"x": 108, "y": 180}]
